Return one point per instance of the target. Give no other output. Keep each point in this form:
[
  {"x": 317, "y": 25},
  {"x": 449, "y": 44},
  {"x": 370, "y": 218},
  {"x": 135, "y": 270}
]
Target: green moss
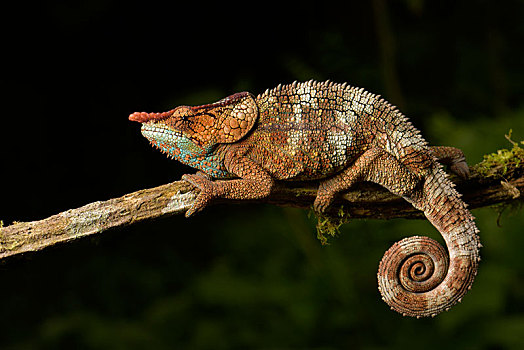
[
  {"x": 504, "y": 160},
  {"x": 328, "y": 226}
]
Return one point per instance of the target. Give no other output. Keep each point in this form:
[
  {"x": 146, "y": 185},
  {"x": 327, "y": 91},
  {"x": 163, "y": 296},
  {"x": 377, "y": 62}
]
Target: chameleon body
[{"x": 338, "y": 135}]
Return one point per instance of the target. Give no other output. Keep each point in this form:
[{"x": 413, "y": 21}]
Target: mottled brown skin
[{"x": 339, "y": 135}]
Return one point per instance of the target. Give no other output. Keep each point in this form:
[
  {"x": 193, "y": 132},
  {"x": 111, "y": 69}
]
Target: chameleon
[{"x": 338, "y": 135}]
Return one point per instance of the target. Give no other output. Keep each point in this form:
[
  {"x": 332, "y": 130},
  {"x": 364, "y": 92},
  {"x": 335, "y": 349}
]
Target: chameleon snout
[{"x": 143, "y": 117}]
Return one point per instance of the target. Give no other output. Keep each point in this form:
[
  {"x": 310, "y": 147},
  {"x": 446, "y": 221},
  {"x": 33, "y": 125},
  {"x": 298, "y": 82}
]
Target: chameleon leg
[
  {"x": 452, "y": 157},
  {"x": 374, "y": 165},
  {"x": 254, "y": 183}
]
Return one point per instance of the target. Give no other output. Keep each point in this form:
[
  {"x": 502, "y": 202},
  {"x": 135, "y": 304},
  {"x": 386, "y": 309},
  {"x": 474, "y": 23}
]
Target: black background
[{"x": 73, "y": 71}]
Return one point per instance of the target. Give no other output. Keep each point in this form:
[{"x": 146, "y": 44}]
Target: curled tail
[{"x": 416, "y": 276}]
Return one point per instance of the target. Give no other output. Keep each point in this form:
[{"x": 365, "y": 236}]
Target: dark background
[{"x": 244, "y": 276}]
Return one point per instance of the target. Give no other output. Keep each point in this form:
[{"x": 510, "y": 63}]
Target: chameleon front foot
[{"x": 204, "y": 196}]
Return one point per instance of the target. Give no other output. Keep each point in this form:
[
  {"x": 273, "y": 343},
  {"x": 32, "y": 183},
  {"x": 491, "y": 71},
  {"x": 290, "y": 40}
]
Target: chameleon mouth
[
  {"x": 170, "y": 141},
  {"x": 160, "y": 133}
]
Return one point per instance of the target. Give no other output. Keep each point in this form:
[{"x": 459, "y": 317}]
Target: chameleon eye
[{"x": 185, "y": 118}]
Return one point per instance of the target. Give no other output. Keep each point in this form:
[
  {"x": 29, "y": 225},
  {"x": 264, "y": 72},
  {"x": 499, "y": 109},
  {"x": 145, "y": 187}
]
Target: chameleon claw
[
  {"x": 323, "y": 200},
  {"x": 204, "y": 196},
  {"x": 321, "y": 204},
  {"x": 203, "y": 175},
  {"x": 193, "y": 210},
  {"x": 198, "y": 206},
  {"x": 461, "y": 169},
  {"x": 196, "y": 180},
  {"x": 318, "y": 209},
  {"x": 190, "y": 212}
]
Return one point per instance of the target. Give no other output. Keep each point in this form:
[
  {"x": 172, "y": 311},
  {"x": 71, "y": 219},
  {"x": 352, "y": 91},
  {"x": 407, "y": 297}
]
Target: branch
[{"x": 491, "y": 183}]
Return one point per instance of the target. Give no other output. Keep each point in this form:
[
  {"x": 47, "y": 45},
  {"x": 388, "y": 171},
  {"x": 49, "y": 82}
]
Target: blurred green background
[{"x": 241, "y": 276}]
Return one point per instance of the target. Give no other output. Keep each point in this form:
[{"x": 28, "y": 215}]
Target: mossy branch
[{"x": 498, "y": 179}]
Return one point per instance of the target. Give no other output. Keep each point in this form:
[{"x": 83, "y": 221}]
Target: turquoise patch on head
[{"x": 180, "y": 147}]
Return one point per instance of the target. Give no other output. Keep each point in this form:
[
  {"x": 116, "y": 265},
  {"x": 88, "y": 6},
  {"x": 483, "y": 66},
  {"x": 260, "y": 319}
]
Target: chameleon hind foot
[{"x": 452, "y": 157}]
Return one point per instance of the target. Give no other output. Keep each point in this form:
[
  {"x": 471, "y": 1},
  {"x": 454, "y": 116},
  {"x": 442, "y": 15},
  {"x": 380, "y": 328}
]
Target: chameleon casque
[{"x": 338, "y": 135}]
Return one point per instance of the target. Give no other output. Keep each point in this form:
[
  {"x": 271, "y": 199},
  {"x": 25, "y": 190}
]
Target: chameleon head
[{"x": 197, "y": 129}]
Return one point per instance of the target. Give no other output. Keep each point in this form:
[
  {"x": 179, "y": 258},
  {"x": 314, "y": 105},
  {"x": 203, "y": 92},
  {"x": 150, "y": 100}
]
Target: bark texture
[{"x": 493, "y": 185}]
